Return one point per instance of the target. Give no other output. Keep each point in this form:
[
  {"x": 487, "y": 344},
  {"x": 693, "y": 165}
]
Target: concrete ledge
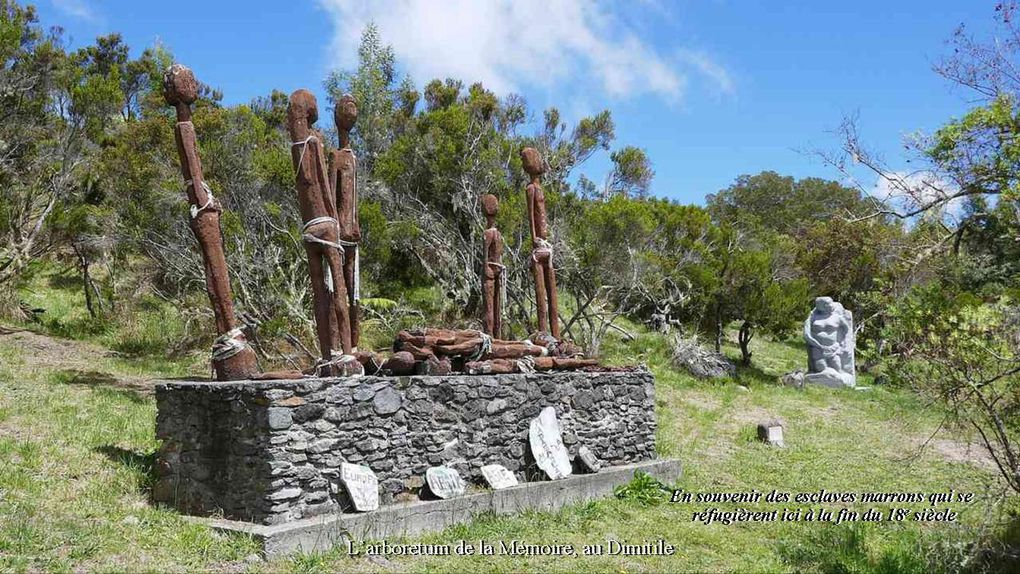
[{"x": 320, "y": 533}]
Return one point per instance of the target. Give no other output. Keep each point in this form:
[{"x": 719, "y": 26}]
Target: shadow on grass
[
  {"x": 134, "y": 391},
  {"x": 142, "y": 464},
  {"x": 753, "y": 373},
  {"x": 66, "y": 280}
]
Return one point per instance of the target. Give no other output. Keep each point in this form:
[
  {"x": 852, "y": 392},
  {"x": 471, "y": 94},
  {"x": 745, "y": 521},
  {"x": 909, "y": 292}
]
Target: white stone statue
[{"x": 829, "y": 333}]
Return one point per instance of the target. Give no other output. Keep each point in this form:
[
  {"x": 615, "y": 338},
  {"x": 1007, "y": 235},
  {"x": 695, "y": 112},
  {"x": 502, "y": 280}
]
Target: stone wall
[{"x": 270, "y": 451}]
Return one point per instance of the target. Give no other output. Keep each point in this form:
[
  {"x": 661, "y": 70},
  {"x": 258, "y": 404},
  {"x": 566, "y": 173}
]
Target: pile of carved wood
[{"x": 445, "y": 351}]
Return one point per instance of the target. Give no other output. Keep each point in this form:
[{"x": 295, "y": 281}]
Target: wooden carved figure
[
  {"x": 232, "y": 358},
  {"x": 493, "y": 272},
  {"x": 321, "y": 234},
  {"x": 344, "y": 179},
  {"x": 541, "y": 248}
]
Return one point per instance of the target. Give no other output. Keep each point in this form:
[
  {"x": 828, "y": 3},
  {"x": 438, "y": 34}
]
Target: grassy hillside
[{"x": 77, "y": 448}]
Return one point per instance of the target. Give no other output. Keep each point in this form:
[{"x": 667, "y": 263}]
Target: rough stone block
[{"x": 270, "y": 451}]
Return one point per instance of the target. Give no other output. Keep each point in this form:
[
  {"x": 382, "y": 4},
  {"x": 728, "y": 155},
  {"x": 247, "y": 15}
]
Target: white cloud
[
  {"x": 507, "y": 44},
  {"x": 910, "y": 190},
  {"x": 720, "y": 78},
  {"x": 80, "y": 9}
]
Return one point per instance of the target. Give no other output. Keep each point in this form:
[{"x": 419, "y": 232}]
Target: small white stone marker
[
  {"x": 498, "y": 476},
  {"x": 444, "y": 482},
  {"x": 771, "y": 432},
  {"x": 589, "y": 461},
  {"x": 362, "y": 485},
  {"x": 547, "y": 445}
]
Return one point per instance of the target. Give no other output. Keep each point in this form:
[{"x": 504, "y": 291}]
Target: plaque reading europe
[
  {"x": 444, "y": 482},
  {"x": 498, "y": 476},
  {"x": 362, "y": 486},
  {"x": 547, "y": 445}
]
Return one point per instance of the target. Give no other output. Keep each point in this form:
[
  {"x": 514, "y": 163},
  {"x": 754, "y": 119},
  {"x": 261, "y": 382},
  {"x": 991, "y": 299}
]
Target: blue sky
[{"x": 711, "y": 89}]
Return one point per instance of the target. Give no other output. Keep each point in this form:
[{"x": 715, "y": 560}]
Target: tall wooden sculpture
[
  {"x": 232, "y": 358},
  {"x": 541, "y": 248},
  {"x": 344, "y": 179},
  {"x": 493, "y": 272},
  {"x": 321, "y": 238}
]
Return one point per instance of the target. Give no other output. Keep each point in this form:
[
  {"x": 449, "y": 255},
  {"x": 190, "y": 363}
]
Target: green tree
[
  {"x": 783, "y": 204},
  {"x": 756, "y": 288},
  {"x": 381, "y": 101},
  {"x": 641, "y": 258}
]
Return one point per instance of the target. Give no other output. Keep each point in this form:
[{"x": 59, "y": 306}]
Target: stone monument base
[
  {"x": 269, "y": 452},
  {"x": 831, "y": 379},
  {"x": 322, "y": 533}
]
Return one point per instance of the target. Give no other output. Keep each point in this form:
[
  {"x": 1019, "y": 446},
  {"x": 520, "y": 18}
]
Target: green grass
[
  {"x": 151, "y": 327},
  {"x": 77, "y": 450},
  {"x": 78, "y": 459}
]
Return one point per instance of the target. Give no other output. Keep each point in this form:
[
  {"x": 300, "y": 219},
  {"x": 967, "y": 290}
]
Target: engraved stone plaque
[
  {"x": 498, "y": 476},
  {"x": 589, "y": 461},
  {"x": 362, "y": 486},
  {"x": 547, "y": 445},
  {"x": 444, "y": 482}
]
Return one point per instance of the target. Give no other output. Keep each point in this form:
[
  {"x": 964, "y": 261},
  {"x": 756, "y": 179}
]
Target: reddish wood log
[
  {"x": 434, "y": 367},
  {"x": 514, "y": 350},
  {"x": 491, "y": 367},
  {"x": 558, "y": 364},
  {"x": 419, "y": 353},
  {"x": 233, "y": 359},
  {"x": 430, "y": 336},
  {"x": 467, "y": 348},
  {"x": 429, "y": 340},
  {"x": 401, "y": 363}
]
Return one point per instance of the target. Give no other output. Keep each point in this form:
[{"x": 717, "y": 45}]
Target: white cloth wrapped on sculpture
[{"x": 829, "y": 334}]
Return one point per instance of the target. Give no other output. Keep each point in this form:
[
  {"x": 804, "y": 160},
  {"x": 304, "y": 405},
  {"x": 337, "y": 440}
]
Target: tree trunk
[
  {"x": 86, "y": 279},
  {"x": 718, "y": 328},
  {"x": 744, "y": 337}
]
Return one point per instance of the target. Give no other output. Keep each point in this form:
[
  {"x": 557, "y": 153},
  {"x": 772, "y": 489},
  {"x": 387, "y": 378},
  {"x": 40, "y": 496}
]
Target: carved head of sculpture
[
  {"x": 179, "y": 85},
  {"x": 532, "y": 161},
  {"x": 490, "y": 207},
  {"x": 345, "y": 113},
  {"x": 302, "y": 112},
  {"x": 824, "y": 305}
]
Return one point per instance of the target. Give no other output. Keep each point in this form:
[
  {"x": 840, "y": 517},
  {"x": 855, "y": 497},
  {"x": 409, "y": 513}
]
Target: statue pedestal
[
  {"x": 270, "y": 452},
  {"x": 830, "y": 378}
]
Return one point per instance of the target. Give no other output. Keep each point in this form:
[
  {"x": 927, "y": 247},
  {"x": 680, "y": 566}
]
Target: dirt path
[{"x": 78, "y": 359}]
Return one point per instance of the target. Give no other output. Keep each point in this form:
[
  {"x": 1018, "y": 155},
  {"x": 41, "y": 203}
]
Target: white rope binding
[
  {"x": 338, "y": 245},
  {"x": 541, "y": 245},
  {"x": 195, "y": 210},
  {"x": 336, "y": 360},
  {"x": 526, "y": 365},
  {"x": 484, "y": 348},
  {"x": 543, "y": 351},
  {"x": 228, "y": 344},
  {"x": 303, "y": 143},
  {"x": 357, "y": 274},
  {"x": 309, "y": 238}
]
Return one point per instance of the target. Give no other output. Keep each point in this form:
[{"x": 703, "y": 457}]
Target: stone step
[{"x": 321, "y": 533}]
